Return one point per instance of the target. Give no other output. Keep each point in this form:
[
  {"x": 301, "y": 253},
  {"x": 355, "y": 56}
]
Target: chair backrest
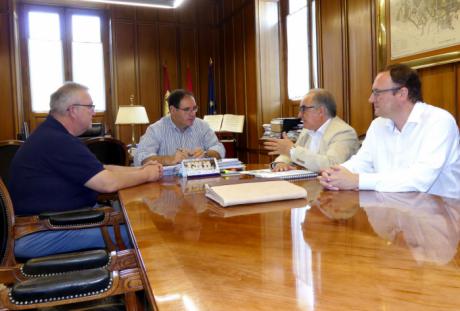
[
  {"x": 8, "y": 149},
  {"x": 6, "y": 226},
  {"x": 96, "y": 130},
  {"x": 109, "y": 150}
]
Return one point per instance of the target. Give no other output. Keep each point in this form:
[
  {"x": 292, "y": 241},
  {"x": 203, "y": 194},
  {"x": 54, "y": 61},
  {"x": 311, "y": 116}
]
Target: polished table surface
[{"x": 334, "y": 251}]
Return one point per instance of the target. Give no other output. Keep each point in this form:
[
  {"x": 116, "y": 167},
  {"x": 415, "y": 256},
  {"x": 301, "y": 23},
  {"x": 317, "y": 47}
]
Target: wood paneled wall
[
  {"x": 8, "y": 127},
  {"x": 234, "y": 35},
  {"x": 251, "y": 53},
  {"x": 441, "y": 87},
  {"x": 145, "y": 40},
  {"x": 347, "y": 57}
]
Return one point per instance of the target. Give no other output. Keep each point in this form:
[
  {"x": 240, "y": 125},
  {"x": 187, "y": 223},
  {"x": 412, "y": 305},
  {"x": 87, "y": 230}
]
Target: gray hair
[
  {"x": 65, "y": 97},
  {"x": 321, "y": 97}
]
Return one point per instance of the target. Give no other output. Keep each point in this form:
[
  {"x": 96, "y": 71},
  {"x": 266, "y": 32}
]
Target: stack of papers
[
  {"x": 254, "y": 192},
  {"x": 230, "y": 163},
  {"x": 293, "y": 174}
]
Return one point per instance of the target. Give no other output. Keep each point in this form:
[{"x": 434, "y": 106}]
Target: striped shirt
[{"x": 163, "y": 138}]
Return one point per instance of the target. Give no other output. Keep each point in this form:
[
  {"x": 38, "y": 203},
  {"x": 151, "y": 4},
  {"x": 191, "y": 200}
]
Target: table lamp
[{"x": 132, "y": 114}]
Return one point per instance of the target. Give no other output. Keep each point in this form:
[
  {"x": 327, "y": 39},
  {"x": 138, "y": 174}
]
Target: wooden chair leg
[{"x": 132, "y": 302}]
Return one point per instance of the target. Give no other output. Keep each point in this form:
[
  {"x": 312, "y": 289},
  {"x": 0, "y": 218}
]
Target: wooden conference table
[{"x": 349, "y": 251}]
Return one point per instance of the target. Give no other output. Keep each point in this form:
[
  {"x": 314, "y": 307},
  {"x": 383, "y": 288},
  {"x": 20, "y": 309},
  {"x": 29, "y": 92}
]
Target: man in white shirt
[
  {"x": 325, "y": 139},
  {"x": 411, "y": 146}
]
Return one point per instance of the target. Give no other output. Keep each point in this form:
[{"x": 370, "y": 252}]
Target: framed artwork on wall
[{"x": 420, "y": 33}]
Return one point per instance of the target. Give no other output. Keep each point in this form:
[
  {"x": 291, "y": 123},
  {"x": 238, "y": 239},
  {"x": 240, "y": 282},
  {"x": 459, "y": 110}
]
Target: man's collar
[
  {"x": 415, "y": 116},
  {"x": 321, "y": 129},
  {"x": 171, "y": 123}
]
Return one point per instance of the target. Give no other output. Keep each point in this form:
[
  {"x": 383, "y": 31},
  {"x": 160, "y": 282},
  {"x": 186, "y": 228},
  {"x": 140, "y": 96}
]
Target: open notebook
[
  {"x": 254, "y": 192},
  {"x": 293, "y": 174}
]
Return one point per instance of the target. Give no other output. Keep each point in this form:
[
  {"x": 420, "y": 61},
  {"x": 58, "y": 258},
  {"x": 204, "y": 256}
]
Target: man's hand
[
  {"x": 155, "y": 171},
  {"x": 180, "y": 155},
  {"x": 197, "y": 153},
  {"x": 150, "y": 162},
  {"x": 281, "y": 167},
  {"x": 277, "y": 146},
  {"x": 339, "y": 178}
]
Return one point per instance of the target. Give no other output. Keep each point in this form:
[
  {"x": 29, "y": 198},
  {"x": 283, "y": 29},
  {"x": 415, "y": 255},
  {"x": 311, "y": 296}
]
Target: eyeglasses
[
  {"x": 87, "y": 106},
  {"x": 377, "y": 92},
  {"x": 188, "y": 109},
  {"x": 303, "y": 108}
]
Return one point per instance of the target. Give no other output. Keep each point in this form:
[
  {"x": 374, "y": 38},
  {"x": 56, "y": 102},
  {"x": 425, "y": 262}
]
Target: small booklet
[
  {"x": 293, "y": 174},
  {"x": 225, "y": 123},
  {"x": 254, "y": 192}
]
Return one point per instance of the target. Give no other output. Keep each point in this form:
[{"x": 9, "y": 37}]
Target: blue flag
[{"x": 211, "y": 100}]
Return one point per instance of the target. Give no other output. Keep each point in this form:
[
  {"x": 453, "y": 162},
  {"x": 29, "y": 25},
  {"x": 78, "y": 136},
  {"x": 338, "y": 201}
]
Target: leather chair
[
  {"x": 109, "y": 150},
  {"x": 62, "y": 279},
  {"x": 96, "y": 130},
  {"x": 8, "y": 149}
]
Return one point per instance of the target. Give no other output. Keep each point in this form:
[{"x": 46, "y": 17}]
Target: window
[
  {"x": 301, "y": 48},
  {"x": 64, "y": 45}
]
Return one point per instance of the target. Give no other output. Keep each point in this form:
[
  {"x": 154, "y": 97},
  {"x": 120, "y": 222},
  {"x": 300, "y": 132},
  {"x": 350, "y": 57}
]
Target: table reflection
[
  {"x": 427, "y": 224},
  {"x": 181, "y": 210},
  {"x": 337, "y": 205}
]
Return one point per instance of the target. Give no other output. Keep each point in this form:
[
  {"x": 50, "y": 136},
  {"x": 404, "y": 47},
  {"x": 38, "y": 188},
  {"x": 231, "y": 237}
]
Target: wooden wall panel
[
  {"x": 157, "y": 37},
  {"x": 149, "y": 72},
  {"x": 253, "y": 104},
  {"x": 187, "y": 12},
  {"x": 331, "y": 43},
  {"x": 269, "y": 46},
  {"x": 229, "y": 68},
  {"x": 7, "y": 125},
  {"x": 240, "y": 74},
  {"x": 208, "y": 49},
  {"x": 360, "y": 78},
  {"x": 188, "y": 59},
  {"x": 439, "y": 86},
  {"x": 148, "y": 15},
  {"x": 207, "y": 12},
  {"x": 168, "y": 52},
  {"x": 124, "y": 70},
  {"x": 168, "y": 15},
  {"x": 123, "y": 12}
]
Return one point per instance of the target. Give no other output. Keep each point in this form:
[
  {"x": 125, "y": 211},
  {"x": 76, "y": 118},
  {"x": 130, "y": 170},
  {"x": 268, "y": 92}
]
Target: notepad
[
  {"x": 225, "y": 123},
  {"x": 254, "y": 192},
  {"x": 292, "y": 174}
]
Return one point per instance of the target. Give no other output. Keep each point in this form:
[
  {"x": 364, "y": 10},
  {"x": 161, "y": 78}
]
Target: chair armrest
[
  {"x": 24, "y": 225},
  {"x": 70, "y": 218},
  {"x": 49, "y": 265}
]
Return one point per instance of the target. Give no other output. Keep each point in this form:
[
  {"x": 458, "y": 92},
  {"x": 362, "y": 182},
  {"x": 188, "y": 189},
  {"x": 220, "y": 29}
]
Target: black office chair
[
  {"x": 8, "y": 149},
  {"x": 109, "y": 150},
  {"x": 62, "y": 279}
]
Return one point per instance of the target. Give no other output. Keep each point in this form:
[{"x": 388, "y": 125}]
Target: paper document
[
  {"x": 255, "y": 192},
  {"x": 225, "y": 123},
  {"x": 292, "y": 174}
]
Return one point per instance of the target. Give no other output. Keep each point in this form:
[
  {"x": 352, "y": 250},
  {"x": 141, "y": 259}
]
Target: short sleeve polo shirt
[{"x": 49, "y": 172}]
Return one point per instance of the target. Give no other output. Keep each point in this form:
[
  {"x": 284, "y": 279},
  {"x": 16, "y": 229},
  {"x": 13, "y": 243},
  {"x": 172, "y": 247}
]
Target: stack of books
[{"x": 230, "y": 166}]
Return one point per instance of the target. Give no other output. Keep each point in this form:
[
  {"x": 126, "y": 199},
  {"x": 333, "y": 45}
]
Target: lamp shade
[{"x": 132, "y": 115}]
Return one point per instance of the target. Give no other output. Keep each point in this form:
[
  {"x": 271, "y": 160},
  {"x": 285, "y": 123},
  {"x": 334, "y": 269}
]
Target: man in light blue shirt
[{"x": 179, "y": 135}]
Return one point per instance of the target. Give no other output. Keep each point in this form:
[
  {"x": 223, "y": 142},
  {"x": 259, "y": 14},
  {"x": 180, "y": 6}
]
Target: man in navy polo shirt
[{"x": 53, "y": 171}]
